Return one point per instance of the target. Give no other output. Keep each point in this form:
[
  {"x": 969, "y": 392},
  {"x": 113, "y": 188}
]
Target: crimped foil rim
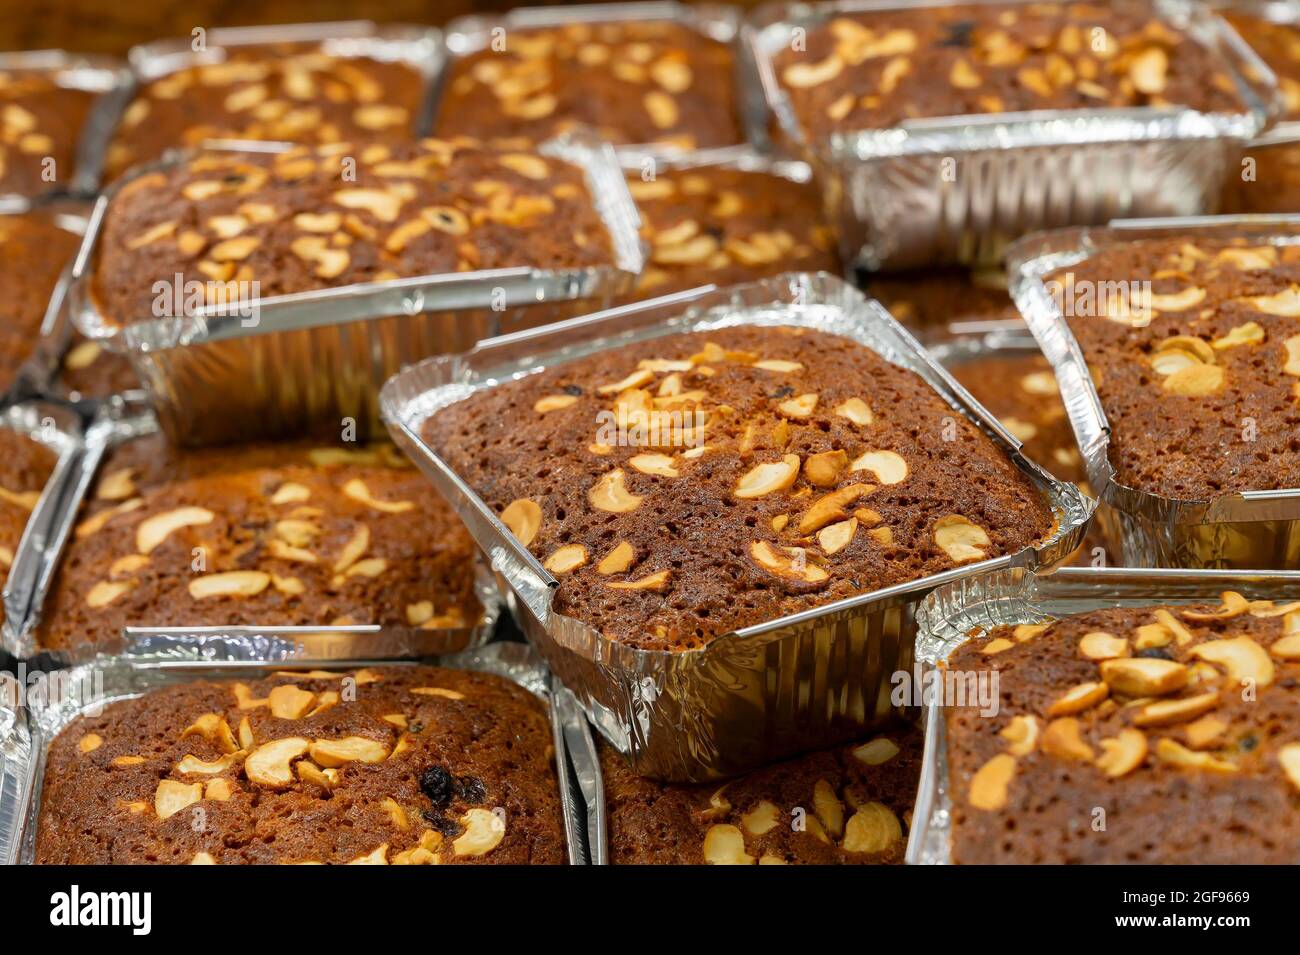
[
  {"x": 364, "y": 301},
  {"x": 722, "y": 22},
  {"x": 1031, "y": 258},
  {"x": 410, "y": 397},
  {"x": 1024, "y": 130},
  {"x": 26, "y": 734},
  {"x": 949, "y": 615}
]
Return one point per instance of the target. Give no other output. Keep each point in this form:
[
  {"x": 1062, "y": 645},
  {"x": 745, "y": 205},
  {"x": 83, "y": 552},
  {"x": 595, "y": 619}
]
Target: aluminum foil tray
[
  {"x": 758, "y": 694},
  {"x": 315, "y": 358},
  {"x": 948, "y": 617},
  {"x": 28, "y": 726},
  {"x": 898, "y": 205},
  {"x": 1252, "y": 529}
]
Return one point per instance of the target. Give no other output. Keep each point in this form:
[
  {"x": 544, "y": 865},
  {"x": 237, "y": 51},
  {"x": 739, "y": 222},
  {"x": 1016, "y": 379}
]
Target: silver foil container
[
  {"x": 60, "y": 429},
  {"x": 950, "y": 615},
  {"x": 313, "y": 359},
  {"x": 755, "y": 695},
  {"x": 38, "y": 372},
  {"x": 418, "y": 47},
  {"x": 39, "y": 554},
  {"x": 470, "y": 34},
  {"x": 32, "y": 716},
  {"x": 958, "y": 188},
  {"x": 103, "y": 75},
  {"x": 1247, "y": 530}
]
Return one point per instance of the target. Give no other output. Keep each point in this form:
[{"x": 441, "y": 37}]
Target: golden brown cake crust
[
  {"x": 800, "y": 811},
  {"x": 637, "y": 82},
  {"x": 1205, "y": 399},
  {"x": 287, "y": 92},
  {"x": 660, "y": 549},
  {"x": 436, "y": 760},
  {"x": 1188, "y": 763},
  {"x": 299, "y": 221},
  {"x": 724, "y": 227},
  {"x": 876, "y": 70},
  {"x": 41, "y": 121},
  {"x": 33, "y": 254},
  {"x": 260, "y": 536}
]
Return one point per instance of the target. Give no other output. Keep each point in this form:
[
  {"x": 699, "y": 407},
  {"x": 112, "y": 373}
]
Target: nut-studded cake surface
[
  {"x": 269, "y": 535},
  {"x": 330, "y": 216},
  {"x": 1199, "y": 370},
  {"x": 33, "y": 254},
  {"x": 25, "y": 466},
  {"x": 1175, "y": 728},
  {"x": 634, "y": 82},
  {"x": 686, "y": 486},
  {"x": 720, "y": 226},
  {"x": 286, "y": 92},
  {"x": 841, "y": 806},
  {"x": 40, "y": 127},
  {"x": 879, "y": 69},
  {"x": 386, "y": 766}
]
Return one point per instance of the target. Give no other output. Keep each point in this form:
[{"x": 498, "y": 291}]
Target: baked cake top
[
  {"x": 1177, "y": 723},
  {"x": 1194, "y": 348},
  {"x": 687, "y": 486},
  {"x": 634, "y": 82},
  {"x": 877, "y": 69}
]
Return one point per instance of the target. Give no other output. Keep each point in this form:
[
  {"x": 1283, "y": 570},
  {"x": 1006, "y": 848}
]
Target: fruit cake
[
  {"x": 1194, "y": 348},
  {"x": 1161, "y": 734},
  {"x": 877, "y": 69},
  {"x": 685, "y": 486},
  {"x": 316, "y": 218},
  {"x": 284, "y": 92},
  {"x": 385, "y": 766},
  {"x": 719, "y": 226},
  {"x": 634, "y": 82},
  {"x": 27, "y": 466},
  {"x": 33, "y": 253},
  {"x": 260, "y": 536},
  {"x": 40, "y": 130},
  {"x": 840, "y": 806}
]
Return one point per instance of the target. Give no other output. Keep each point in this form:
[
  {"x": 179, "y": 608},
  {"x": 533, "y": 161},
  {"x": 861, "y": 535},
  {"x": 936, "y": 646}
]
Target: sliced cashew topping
[
  {"x": 1100, "y": 645},
  {"x": 288, "y": 702},
  {"x": 1079, "y": 698},
  {"x": 1062, "y": 739},
  {"x": 960, "y": 539},
  {"x": 1166, "y": 712},
  {"x": 1021, "y": 734},
  {"x": 171, "y": 797},
  {"x": 789, "y": 562},
  {"x": 617, "y": 560},
  {"x": 877, "y": 751},
  {"x": 271, "y": 763},
  {"x": 232, "y": 583},
  {"x": 484, "y": 831},
  {"x": 725, "y": 845},
  {"x": 1144, "y": 676},
  {"x": 1122, "y": 754},
  {"x": 524, "y": 518},
  {"x": 1242, "y": 657},
  {"x": 888, "y": 467},
  {"x": 856, "y": 410},
  {"x": 152, "y": 531},
  {"x": 872, "y": 828},
  {"x": 336, "y": 752},
  {"x": 567, "y": 558},
  {"x": 768, "y": 478},
  {"x": 610, "y": 494},
  {"x": 832, "y": 507},
  {"x": 988, "y": 787},
  {"x": 761, "y": 819}
]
